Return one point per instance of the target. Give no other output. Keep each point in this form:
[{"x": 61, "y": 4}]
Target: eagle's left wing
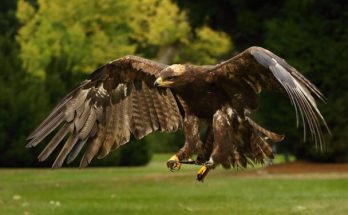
[
  {"x": 118, "y": 101},
  {"x": 257, "y": 68}
]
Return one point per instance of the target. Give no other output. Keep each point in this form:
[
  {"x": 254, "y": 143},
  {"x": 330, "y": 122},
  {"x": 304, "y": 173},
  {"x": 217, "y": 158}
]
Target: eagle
[{"x": 133, "y": 97}]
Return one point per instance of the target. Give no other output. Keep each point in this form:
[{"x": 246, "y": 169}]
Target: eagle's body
[
  {"x": 210, "y": 99},
  {"x": 132, "y": 96}
]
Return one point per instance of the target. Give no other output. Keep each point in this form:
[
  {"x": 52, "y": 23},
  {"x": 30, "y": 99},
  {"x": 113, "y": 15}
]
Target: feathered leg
[
  {"x": 205, "y": 150},
  {"x": 192, "y": 141},
  {"x": 222, "y": 135},
  {"x": 230, "y": 135},
  {"x": 237, "y": 141}
]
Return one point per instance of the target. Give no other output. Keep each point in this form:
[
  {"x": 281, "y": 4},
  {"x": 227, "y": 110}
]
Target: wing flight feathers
[
  {"x": 299, "y": 90},
  {"x": 101, "y": 113},
  {"x": 258, "y": 67}
]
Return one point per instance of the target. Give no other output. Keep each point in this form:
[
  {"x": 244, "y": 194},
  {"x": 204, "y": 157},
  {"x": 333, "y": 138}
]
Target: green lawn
[{"x": 154, "y": 190}]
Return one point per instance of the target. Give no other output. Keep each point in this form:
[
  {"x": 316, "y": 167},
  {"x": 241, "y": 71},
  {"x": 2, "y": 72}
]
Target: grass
[{"x": 154, "y": 190}]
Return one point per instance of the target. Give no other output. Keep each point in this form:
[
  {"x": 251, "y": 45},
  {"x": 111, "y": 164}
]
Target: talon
[
  {"x": 202, "y": 172},
  {"x": 173, "y": 163}
]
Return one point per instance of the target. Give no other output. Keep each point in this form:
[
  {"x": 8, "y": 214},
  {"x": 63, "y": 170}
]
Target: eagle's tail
[
  {"x": 255, "y": 147},
  {"x": 260, "y": 148},
  {"x": 274, "y": 137}
]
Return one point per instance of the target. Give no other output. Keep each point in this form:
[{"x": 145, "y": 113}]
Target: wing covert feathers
[{"x": 99, "y": 115}]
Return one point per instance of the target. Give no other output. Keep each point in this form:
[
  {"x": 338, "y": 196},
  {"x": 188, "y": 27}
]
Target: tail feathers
[
  {"x": 269, "y": 134},
  {"x": 257, "y": 155},
  {"x": 257, "y": 149},
  {"x": 239, "y": 160},
  {"x": 260, "y": 149}
]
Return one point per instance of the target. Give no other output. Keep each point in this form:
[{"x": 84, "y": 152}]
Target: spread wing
[
  {"x": 100, "y": 114},
  {"x": 257, "y": 68}
]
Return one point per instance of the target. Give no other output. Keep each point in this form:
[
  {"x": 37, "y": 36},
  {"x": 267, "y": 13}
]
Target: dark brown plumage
[{"x": 132, "y": 96}]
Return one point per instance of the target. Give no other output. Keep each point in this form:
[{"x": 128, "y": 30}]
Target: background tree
[
  {"x": 316, "y": 41},
  {"x": 22, "y": 99}
]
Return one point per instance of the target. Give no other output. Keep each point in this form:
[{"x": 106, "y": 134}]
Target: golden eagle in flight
[{"x": 133, "y": 96}]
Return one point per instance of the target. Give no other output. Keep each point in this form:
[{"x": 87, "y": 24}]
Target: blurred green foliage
[
  {"x": 100, "y": 31},
  {"x": 48, "y": 46}
]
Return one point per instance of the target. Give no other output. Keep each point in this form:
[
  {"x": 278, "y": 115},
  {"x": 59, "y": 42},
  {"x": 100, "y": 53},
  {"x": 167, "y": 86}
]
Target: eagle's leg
[
  {"x": 222, "y": 137},
  {"x": 205, "y": 150},
  {"x": 192, "y": 140},
  {"x": 204, "y": 155}
]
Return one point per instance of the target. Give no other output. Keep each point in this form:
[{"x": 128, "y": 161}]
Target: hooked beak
[{"x": 160, "y": 83}]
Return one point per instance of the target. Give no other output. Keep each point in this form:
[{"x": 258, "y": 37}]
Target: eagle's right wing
[
  {"x": 256, "y": 69},
  {"x": 102, "y": 112}
]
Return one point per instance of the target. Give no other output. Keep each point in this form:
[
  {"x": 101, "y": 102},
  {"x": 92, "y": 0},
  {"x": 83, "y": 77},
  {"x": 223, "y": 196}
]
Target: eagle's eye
[{"x": 171, "y": 78}]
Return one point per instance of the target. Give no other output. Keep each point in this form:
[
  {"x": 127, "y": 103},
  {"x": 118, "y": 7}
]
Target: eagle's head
[{"x": 172, "y": 76}]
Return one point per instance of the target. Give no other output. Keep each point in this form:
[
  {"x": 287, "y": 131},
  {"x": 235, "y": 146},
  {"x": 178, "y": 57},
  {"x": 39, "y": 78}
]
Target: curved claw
[
  {"x": 173, "y": 163},
  {"x": 204, "y": 170}
]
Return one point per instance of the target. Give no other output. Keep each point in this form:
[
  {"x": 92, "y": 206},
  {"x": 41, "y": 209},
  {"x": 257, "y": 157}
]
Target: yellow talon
[
  {"x": 173, "y": 163},
  {"x": 202, "y": 172},
  {"x": 174, "y": 158}
]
